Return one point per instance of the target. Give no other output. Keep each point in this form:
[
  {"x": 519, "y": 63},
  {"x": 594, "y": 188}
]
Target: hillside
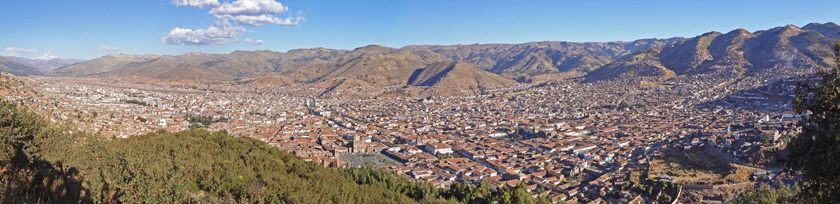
[
  {"x": 44, "y": 65},
  {"x": 713, "y": 54},
  {"x": 777, "y": 50},
  {"x": 640, "y": 68},
  {"x": 15, "y": 68},
  {"x": 103, "y": 65},
  {"x": 526, "y": 60},
  {"x": 455, "y": 77}
]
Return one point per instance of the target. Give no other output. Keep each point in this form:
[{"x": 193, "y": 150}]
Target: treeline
[
  {"x": 199, "y": 121},
  {"x": 43, "y": 162},
  {"x": 456, "y": 193},
  {"x": 134, "y": 101}
]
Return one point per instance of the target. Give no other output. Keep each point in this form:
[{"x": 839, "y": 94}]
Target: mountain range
[{"x": 474, "y": 67}]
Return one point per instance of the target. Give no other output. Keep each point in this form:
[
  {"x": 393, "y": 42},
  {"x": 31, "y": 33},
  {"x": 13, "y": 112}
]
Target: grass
[{"x": 698, "y": 166}]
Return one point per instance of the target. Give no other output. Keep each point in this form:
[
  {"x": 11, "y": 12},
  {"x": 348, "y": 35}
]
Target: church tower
[{"x": 358, "y": 144}]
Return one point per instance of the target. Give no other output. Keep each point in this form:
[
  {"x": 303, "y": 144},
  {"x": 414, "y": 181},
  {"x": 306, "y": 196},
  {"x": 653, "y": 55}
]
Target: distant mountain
[
  {"x": 378, "y": 65},
  {"x": 103, "y": 65},
  {"x": 525, "y": 60},
  {"x": 640, "y": 61},
  {"x": 10, "y": 66},
  {"x": 738, "y": 51},
  {"x": 45, "y": 65}
]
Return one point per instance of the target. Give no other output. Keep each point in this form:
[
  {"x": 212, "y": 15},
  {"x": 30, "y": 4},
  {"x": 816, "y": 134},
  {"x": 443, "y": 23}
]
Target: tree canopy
[{"x": 816, "y": 151}]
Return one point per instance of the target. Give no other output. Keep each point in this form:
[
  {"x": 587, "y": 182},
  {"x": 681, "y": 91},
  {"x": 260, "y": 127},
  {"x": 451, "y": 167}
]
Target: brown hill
[
  {"x": 456, "y": 77},
  {"x": 830, "y": 29},
  {"x": 376, "y": 68},
  {"x": 640, "y": 68},
  {"x": 535, "y": 58},
  {"x": 103, "y": 65},
  {"x": 687, "y": 55},
  {"x": 15, "y": 68},
  {"x": 43, "y": 65},
  {"x": 779, "y": 50},
  {"x": 712, "y": 54},
  {"x": 166, "y": 69}
]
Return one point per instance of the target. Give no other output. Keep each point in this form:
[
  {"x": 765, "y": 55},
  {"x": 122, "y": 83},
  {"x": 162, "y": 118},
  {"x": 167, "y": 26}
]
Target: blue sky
[{"x": 92, "y": 28}]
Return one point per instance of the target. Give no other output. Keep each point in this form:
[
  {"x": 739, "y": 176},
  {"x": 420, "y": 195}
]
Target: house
[{"x": 437, "y": 147}]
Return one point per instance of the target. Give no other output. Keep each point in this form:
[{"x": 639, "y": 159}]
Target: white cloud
[
  {"x": 47, "y": 57},
  {"x": 14, "y": 51},
  {"x": 219, "y": 34},
  {"x": 197, "y": 3},
  {"x": 106, "y": 48},
  {"x": 249, "y": 7},
  {"x": 261, "y": 20},
  {"x": 241, "y": 12},
  {"x": 254, "y": 42}
]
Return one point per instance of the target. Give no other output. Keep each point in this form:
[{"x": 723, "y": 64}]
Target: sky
[{"x": 87, "y": 29}]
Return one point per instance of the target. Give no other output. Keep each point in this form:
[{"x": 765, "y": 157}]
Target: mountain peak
[
  {"x": 739, "y": 31},
  {"x": 830, "y": 29}
]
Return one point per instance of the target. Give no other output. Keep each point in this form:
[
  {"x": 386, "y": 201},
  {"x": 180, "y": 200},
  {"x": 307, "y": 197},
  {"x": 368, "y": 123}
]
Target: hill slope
[
  {"x": 455, "y": 77},
  {"x": 770, "y": 52},
  {"x": 45, "y": 65},
  {"x": 775, "y": 51},
  {"x": 15, "y": 68}
]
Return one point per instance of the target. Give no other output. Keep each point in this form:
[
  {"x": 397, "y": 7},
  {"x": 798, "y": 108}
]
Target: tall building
[{"x": 358, "y": 144}]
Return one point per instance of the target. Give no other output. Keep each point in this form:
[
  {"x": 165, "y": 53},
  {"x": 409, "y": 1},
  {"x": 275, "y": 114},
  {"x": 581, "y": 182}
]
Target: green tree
[
  {"x": 816, "y": 151},
  {"x": 765, "y": 194}
]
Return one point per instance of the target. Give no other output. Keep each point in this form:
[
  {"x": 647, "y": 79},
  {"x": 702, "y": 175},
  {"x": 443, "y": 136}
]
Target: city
[
  {"x": 463, "y": 102},
  {"x": 569, "y": 140}
]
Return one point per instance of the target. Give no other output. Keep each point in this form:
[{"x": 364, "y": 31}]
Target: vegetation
[
  {"x": 699, "y": 166},
  {"x": 765, "y": 194},
  {"x": 198, "y": 121},
  {"x": 42, "y": 162},
  {"x": 816, "y": 151},
  {"x": 639, "y": 183},
  {"x": 457, "y": 192},
  {"x": 133, "y": 101}
]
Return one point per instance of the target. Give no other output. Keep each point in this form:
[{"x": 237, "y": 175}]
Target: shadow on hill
[
  {"x": 414, "y": 76},
  {"x": 38, "y": 181},
  {"x": 431, "y": 81}
]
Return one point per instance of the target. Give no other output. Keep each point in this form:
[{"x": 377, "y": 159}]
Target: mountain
[
  {"x": 169, "y": 69},
  {"x": 103, "y": 66},
  {"x": 641, "y": 68},
  {"x": 523, "y": 61},
  {"x": 830, "y": 29},
  {"x": 378, "y": 62},
  {"x": 10, "y": 66},
  {"x": 456, "y": 77},
  {"x": 712, "y": 54},
  {"x": 773, "y": 51},
  {"x": 45, "y": 65}
]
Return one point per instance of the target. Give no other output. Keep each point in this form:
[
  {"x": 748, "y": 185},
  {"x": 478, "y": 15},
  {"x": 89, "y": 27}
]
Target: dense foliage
[
  {"x": 816, "y": 151},
  {"x": 766, "y": 194},
  {"x": 199, "y": 121},
  {"x": 460, "y": 192},
  {"x": 41, "y": 162}
]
